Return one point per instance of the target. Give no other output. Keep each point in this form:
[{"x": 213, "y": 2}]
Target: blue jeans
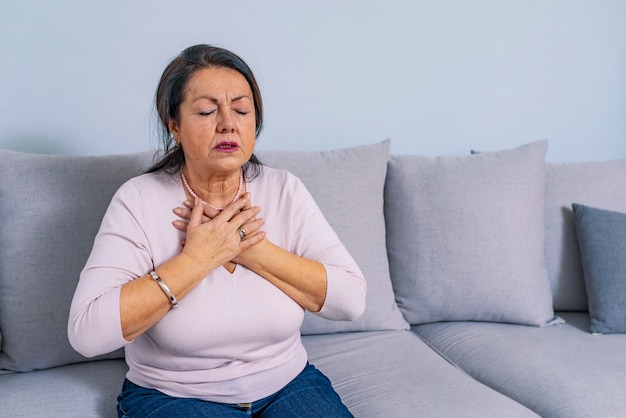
[{"x": 310, "y": 394}]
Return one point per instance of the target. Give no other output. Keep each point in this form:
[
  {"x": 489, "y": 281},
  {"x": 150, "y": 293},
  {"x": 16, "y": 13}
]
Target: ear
[{"x": 173, "y": 127}]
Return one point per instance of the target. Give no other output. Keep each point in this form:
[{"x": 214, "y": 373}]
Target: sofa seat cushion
[
  {"x": 560, "y": 371},
  {"x": 79, "y": 390},
  {"x": 395, "y": 374},
  {"x": 465, "y": 236}
]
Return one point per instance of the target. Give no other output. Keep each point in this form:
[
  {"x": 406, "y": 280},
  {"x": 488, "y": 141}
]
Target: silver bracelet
[{"x": 164, "y": 288}]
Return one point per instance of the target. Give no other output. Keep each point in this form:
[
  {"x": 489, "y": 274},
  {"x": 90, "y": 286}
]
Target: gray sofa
[{"x": 477, "y": 304}]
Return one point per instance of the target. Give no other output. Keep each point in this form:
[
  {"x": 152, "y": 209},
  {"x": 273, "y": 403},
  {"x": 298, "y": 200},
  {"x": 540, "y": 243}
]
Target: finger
[
  {"x": 233, "y": 209},
  {"x": 196, "y": 214},
  {"x": 180, "y": 225},
  {"x": 247, "y": 207},
  {"x": 252, "y": 227},
  {"x": 183, "y": 212},
  {"x": 246, "y": 216},
  {"x": 246, "y": 196},
  {"x": 252, "y": 240},
  {"x": 208, "y": 211},
  {"x": 186, "y": 214}
]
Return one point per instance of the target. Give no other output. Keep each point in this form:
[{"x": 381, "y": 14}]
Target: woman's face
[{"x": 216, "y": 121}]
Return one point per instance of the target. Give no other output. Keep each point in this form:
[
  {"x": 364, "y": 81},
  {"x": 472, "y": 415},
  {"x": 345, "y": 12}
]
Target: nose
[{"x": 225, "y": 121}]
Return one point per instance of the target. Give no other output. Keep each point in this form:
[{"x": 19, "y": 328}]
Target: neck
[{"x": 216, "y": 193}]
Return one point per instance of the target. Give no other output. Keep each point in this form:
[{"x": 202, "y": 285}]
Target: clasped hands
[{"x": 212, "y": 235}]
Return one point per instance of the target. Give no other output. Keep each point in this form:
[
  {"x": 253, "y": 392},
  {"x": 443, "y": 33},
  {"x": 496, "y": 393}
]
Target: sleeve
[
  {"x": 315, "y": 239},
  {"x": 120, "y": 254}
]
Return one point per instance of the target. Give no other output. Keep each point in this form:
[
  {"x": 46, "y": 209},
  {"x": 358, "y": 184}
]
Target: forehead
[{"x": 217, "y": 82}]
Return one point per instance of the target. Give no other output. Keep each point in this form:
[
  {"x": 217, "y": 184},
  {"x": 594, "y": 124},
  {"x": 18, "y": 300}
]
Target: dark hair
[{"x": 170, "y": 94}]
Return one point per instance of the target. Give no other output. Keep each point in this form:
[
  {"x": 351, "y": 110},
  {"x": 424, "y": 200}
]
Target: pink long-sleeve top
[{"x": 235, "y": 337}]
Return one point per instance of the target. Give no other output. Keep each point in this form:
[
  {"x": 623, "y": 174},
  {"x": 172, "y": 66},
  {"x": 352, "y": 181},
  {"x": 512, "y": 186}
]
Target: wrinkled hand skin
[{"x": 214, "y": 233}]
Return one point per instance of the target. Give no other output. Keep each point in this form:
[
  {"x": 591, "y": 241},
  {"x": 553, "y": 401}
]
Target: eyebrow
[{"x": 215, "y": 100}]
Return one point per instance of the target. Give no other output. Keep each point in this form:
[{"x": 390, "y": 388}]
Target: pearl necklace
[{"x": 191, "y": 192}]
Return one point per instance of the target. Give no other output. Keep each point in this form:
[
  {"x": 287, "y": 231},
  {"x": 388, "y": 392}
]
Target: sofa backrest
[
  {"x": 348, "y": 186},
  {"x": 51, "y": 208},
  {"x": 600, "y": 184}
]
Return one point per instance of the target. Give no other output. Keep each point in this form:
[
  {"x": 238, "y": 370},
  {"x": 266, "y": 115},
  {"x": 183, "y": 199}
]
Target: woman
[{"x": 203, "y": 267}]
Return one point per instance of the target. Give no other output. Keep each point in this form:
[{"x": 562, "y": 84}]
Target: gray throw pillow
[
  {"x": 465, "y": 237},
  {"x": 348, "y": 186},
  {"x": 51, "y": 209},
  {"x": 602, "y": 241}
]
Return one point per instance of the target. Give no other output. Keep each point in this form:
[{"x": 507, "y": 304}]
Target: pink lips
[{"x": 226, "y": 147}]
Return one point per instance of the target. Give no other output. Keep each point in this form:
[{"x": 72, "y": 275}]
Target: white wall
[{"x": 437, "y": 77}]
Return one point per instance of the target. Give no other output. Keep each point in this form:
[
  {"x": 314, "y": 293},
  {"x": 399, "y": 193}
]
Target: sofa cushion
[
  {"x": 465, "y": 236},
  {"x": 597, "y": 183},
  {"x": 395, "y": 374},
  {"x": 51, "y": 207},
  {"x": 348, "y": 185},
  {"x": 602, "y": 240},
  {"x": 561, "y": 371},
  {"x": 79, "y": 390},
  {"x": 87, "y": 390}
]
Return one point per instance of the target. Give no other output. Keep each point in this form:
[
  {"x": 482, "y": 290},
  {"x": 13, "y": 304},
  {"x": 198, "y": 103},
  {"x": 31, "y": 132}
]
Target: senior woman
[{"x": 203, "y": 267}]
